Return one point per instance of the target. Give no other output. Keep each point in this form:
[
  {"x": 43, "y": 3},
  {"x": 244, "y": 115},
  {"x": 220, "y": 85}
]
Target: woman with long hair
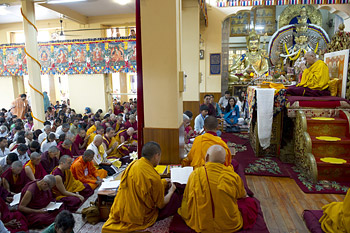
[{"x": 231, "y": 112}]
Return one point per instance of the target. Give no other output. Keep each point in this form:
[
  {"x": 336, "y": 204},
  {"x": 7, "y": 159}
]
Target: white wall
[
  {"x": 7, "y": 92},
  {"x": 87, "y": 91}
]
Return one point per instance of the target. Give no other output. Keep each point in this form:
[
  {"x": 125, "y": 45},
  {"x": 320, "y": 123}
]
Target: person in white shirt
[
  {"x": 3, "y": 147},
  {"x": 28, "y": 137},
  {"x": 48, "y": 142},
  {"x": 21, "y": 152},
  {"x": 63, "y": 129},
  {"x": 224, "y": 100},
  {"x": 3, "y": 131},
  {"x": 100, "y": 156},
  {"x": 199, "y": 120},
  {"x": 6, "y": 162},
  {"x": 43, "y": 135}
]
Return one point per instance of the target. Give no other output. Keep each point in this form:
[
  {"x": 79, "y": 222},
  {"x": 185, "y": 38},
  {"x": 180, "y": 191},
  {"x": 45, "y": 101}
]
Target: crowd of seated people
[{"x": 63, "y": 161}]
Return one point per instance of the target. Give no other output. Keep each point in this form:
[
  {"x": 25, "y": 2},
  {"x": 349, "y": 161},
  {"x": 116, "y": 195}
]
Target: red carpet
[{"x": 271, "y": 166}]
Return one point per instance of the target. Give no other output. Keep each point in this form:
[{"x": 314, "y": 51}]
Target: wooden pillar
[
  {"x": 123, "y": 87},
  {"x": 161, "y": 66},
  {"x": 31, "y": 45}
]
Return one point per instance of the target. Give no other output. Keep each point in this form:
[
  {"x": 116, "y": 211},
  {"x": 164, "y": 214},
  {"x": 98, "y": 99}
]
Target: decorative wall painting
[{"x": 337, "y": 63}]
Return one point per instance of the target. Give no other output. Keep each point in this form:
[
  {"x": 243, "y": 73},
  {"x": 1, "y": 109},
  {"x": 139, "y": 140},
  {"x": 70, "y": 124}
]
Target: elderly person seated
[
  {"x": 33, "y": 167},
  {"x": 315, "y": 78}
]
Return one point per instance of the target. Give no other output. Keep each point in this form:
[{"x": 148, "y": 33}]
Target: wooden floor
[{"x": 283, "y": 202}]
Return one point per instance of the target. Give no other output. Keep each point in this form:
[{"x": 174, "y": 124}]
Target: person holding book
[
  {"x": 140, "y": 194},
  {"x": 35, "y": 197}
]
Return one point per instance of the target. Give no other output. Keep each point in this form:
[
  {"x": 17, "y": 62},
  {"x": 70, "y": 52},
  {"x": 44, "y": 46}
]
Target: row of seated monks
[
  {"x": 215, "y": 198},
  {"x": 60, "y": 175}
]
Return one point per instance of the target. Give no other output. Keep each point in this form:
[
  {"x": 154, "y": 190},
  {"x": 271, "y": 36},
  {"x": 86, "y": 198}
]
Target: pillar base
[{"x": 171, "y": 142}]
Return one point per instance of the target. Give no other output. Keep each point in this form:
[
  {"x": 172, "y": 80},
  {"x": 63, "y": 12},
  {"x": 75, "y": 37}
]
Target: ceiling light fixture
[
  {"x": 122, "y": 2},
  {"x": 63, "y": 1}
]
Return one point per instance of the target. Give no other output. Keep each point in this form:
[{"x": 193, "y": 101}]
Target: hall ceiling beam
[{"x": 67, "y": 12}]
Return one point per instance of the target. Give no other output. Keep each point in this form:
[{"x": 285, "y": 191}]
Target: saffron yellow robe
[
  {"x": 70, "y": 184},
  {"x": 86, "y": 172},
  {"x": 115, "y": 152},
  {"x": 91, "y": 138},
  {"x": 226, "y": 187},
  {"x": 196, "y": 156},
  {"x": 91, "y": 130},
  {"x": 316, "y": 76},
  {"x": 336, "y": 216},
  {"x": 140, "y": 194}
]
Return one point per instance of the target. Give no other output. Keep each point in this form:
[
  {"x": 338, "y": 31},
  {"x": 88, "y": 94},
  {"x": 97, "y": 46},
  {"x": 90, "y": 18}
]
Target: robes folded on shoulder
[
  {"x": 38, "y": 170},
  {"x": 196, "y": 156},
  {"x": 86, "y": 172},
  {"x": 109, "y": 143},
  {"x": 140, "y": 192},
  {"x": 48, "y": 163},
  {"x": 7, "y": 216},
  {"x": 315, "y": 77},
  {"x": 16, "y": 182},
  {"x": 213, "y": 208},
  {"x": 91, "y": 130},
  {"x": 336, "y": 216},
  {"x": 71, "y": 185},
  {"x": 40, "y": 199}
]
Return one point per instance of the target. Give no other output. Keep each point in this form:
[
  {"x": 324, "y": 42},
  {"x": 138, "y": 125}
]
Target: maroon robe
[
  {"x": 3, "y": 193},
  {"x": 7, "y": 216},
  {"x": 48, "y": 163},
  {"x": 305, "y": 91},
  {"x": 126, "y": 150},
  {"x": 39, "y": 171},
  {"x": 21, "y": 181},
  {"x": 64, "y": 151},
  {"x": 73, "y": 203},
  {"x": 128, "y": 125},
  {"x": 40, "y": 199},
  {"x": 212, "y": 111},
  {"x": 75, "y": 146}
]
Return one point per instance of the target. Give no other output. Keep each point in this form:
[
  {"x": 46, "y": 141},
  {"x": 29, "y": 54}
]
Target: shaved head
[
  {"x": 216, "y": 154},
  {"x": 211, "y": 123},
  {"x": 16, "y": 164}
]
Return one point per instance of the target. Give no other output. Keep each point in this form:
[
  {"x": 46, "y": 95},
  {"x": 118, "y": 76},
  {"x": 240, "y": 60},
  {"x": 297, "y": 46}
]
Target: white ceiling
[{"x": 88, "y": 8}]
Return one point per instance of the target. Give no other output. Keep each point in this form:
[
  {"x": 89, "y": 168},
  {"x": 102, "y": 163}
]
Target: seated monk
[
  {"x": 209, "y": 202},
  {"x": 201, "y": 144},
  {"x": 13, "y": 221},
  {"x": 65, "y": 147},
  {"x": 69, "y": 190},
  {"x": 100, "y": 157},
  {"x": 93, "y": 128},
  {"x": 132, "y": 123},
  {"x": 336, "y": 216},
  {"x": 140, "y": 194},
  {"x": 35, "y": 197},
  {"x": 83, "y": 169},
  {"x": 33, "y": 168},
  {"x": 49, "y": 159},
  {"x": 110, "y": 144},
  {"x": 118, "y": 126},
  {"x": 99, "y": 131},
  {"x": 15, "y": 178},
  {"x": 126, "y": 136},
  {"x": 80, "y": 143},
  {"x": 314, "y": 81}
]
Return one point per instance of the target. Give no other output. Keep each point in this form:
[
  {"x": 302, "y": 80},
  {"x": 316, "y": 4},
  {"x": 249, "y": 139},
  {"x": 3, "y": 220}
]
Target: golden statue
[{"x": 253, "y": 62}]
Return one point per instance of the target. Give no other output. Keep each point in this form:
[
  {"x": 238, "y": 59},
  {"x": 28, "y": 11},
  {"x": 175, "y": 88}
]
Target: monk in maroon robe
[
  {"x": 128, "y": 137},
  {"x": 80, "y": 143},
  {"x": 33, "y": 167},
  {"x": 13, "y": 221},
  {"x": 49, "y": 159},
  {"x": 67, "y": 187},
  {"x": 35, "y": 197},
  {"x": 65, "y": 148},
  {"x": 15, "y": 178}
]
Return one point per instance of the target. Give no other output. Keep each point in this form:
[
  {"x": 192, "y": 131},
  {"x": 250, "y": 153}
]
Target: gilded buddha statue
[{"x": 253, "y": 62}]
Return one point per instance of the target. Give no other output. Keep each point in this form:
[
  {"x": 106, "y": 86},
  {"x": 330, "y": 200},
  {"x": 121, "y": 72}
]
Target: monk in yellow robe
[
  {"x": 140, "y": 194},
  {"x": 93, "y": 128},
  {"x": 314, "y": 81},
  {"x": 209, "y": 203},
  {"x": 110, "y": 144},
  {"x": 196, "y": 156},
  {"x": 99, "y": 130},
  {"x": 83, "y": 169},
  {"x": 336, "y": 216}
]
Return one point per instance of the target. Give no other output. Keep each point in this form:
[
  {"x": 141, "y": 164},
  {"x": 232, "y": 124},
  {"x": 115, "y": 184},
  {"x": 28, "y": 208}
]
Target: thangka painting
[
  {"x": 92, "y": 56},
  {"x": 337, "y": 63}
]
